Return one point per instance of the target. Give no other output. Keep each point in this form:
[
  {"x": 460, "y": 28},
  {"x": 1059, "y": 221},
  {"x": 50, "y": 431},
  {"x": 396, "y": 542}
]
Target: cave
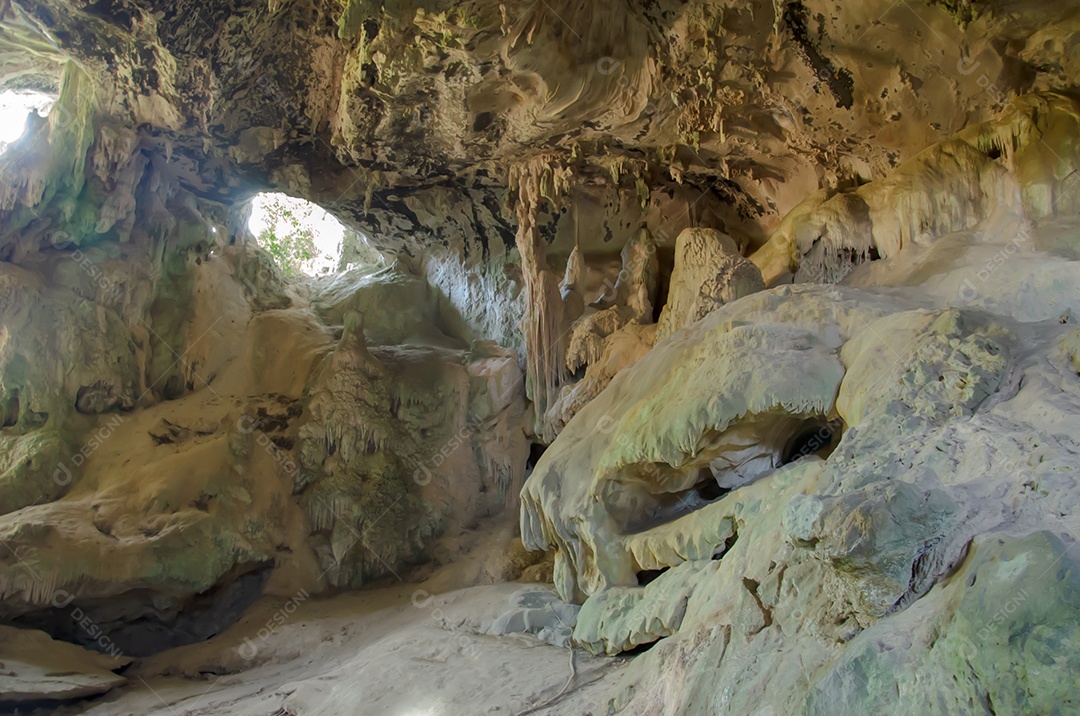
[
  {"x": 648, "y": 576},
  {"x": 813, "y": 437},
  {"x": 536, "y": 451},
  {"x": 140, "y": 623},
  {"x": 435, "y": 358}
]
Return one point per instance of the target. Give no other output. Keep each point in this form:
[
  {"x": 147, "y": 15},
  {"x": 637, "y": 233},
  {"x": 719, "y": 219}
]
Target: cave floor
[{"x": 395, "y": 651}]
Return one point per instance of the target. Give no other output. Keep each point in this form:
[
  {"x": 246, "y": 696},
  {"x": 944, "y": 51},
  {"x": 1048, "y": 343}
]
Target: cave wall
[{"x": 529, "y": 172}]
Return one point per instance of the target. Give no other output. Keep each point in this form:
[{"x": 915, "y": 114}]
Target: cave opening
[
  {"x": 17, "y": 110},
  {"x": 142, "y": 623},
  {"x": 665, "y": 256},
  {"x": 814, "y": 437},
  {"x": 707, "y": 488},
  {"x": 304, "y": 239},
  {"x": 536, "y": 451},
  {"x": 648, "y": 576},
  {"x": 9, "y": 410},
  {"x": 765, "y": 444},
  {"x": 640, "y": 648}
]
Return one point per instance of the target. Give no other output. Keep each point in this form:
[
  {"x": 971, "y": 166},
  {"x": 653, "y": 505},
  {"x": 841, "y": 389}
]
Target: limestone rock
[
  {"x": 637, "y": 282},
  {"x": 254, "y": 457},
  {"x": 368, "y": 292},
  {"x": 620, "y": 619},
  {"x": 617, "y": 351},
  {"x": 708, "y": 273},
  {"x": 840, "y": 567},
  {"x": 540, "y": 612},
  {"x": 389, "y": 440},
  {"x": 35, "y": 469},
  {"x": 588, "y": 336},
  {"x": 887, "y": 540},
  {"x": 999, "y": 629},
  {"x": 644, "y": 440},
  {"x": 951, "y": 186},
  {"x": 36, "y": 668}
]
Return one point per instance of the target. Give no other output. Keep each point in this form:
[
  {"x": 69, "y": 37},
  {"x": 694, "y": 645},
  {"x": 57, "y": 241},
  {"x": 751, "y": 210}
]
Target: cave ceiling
[{"x": 738, "y": 109}]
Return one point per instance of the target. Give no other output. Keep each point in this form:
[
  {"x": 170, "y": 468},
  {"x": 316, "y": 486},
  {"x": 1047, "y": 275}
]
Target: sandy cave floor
[{"x": 397, "y": 651}]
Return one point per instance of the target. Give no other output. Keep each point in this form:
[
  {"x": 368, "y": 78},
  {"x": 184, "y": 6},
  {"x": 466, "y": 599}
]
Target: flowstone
[{"x": 833, "y": 499}]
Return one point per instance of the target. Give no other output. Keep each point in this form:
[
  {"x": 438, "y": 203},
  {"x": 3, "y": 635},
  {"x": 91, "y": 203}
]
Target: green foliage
[{"x": 286, "y": 238}]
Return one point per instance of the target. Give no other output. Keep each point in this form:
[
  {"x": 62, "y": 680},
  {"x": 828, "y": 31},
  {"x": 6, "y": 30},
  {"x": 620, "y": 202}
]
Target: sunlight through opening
[
  {"x": 15, "y": 107},
  {"x": 301, "y": 236}
]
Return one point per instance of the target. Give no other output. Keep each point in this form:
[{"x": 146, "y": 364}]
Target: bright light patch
[
  {"x": 326, "y": 231},
  {"x": 14, "y": 109}
]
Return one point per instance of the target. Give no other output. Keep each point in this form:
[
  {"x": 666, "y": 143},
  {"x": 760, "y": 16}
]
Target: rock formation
[
  {"x": 814, "y": 466},
  {"x": 743, "y": 334},
  {"x": 708, "y": 272}
]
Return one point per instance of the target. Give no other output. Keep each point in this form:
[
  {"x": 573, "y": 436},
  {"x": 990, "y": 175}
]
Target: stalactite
[{"x": 534, "y": 181}]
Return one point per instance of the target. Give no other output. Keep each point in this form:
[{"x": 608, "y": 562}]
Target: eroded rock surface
[
  {"x": 38, "y": 669},
  {"x": 708, "y": 272},
  {"x": 850, "y": 459},
  {"x": 277, "y": 448},
  {"x": 774, "y": 304}
]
